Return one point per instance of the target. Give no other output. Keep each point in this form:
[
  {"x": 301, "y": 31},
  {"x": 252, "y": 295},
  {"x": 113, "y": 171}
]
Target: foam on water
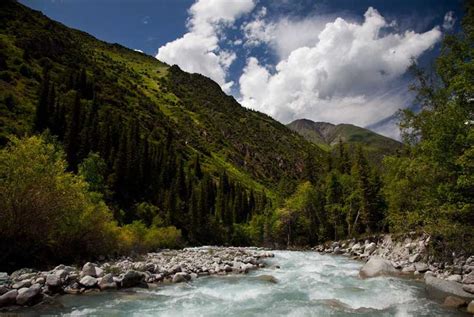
[{"x": 309, "y": 284}]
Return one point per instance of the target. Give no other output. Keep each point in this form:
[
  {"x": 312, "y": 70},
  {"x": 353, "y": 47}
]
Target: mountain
[
  {"x": 327, "y": 135},
  {"x": 106, "y": 97}
]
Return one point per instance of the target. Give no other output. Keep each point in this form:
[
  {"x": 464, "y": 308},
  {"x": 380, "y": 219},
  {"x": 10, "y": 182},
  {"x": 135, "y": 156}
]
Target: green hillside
[
  {"x": 132, "y": 86},
  {"x": 326, "y": 135}
]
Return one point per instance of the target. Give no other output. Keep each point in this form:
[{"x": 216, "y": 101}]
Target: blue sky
[{"x": 326, "y": 60}]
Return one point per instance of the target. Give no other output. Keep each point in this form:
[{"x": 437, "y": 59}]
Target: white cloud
[
  {"x": 198, "y": 50},
  {"x": 343, "y": 75},
  {"x": 285, "y": 34},
  {"x": 449, "y": 20}
]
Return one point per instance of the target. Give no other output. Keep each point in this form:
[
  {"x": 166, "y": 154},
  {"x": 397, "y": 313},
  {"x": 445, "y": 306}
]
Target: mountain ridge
[{"x": 327, "y": 135}]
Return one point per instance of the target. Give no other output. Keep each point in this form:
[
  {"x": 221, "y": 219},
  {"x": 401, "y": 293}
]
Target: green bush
[{"x": 46, "y": 213}]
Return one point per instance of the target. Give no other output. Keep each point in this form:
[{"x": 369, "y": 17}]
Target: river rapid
[{"x": 309, "y": 284}]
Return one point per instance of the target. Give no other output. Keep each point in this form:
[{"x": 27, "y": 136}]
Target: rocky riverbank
[
  {"x": 451, "y": 282},
  {"x": 27, "y": 287}
]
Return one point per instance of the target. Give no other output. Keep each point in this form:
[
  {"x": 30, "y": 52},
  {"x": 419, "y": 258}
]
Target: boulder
[
  {"x": 107, "y": 282},
  {"x": 89, "y": 269},
  {"x": 454, "y": 302},
  {"x": 88, "y": 281},
  {"x": 29, "y": 296},
  {"x": 470, "y": 307},
  {"x": 439, "y": 288},
  {"x": 53, "y": 281},
  {"x": 22, "y": 284},
  {"x": 356, "y": 247},
  {"x": 414, "y": 258},
  {"x": 377, "y": 266},
  {"x": 370, "y": 248},
  {"x": 421, "y": 267},
  {"x": 132, "y": 278},
  {"x": 468, "y": 278},
  {"x": 181, "y": 277},
  {"x": 468, "y": 288},
  {"x": 454, "y": 278},
  {"x": 268, "y": 278},
  {"x": 9, "y": 298}
]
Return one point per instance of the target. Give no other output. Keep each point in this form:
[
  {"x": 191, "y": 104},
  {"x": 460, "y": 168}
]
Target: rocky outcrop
[
  {"x": 28, "y": 286},
  {"x": 377, "y": 267}
]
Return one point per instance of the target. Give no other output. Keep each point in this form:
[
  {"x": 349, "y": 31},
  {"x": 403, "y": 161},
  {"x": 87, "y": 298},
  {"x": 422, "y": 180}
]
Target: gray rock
[
  {"x": 267, "y": 278},
  {"x": 414, "y": 258},
  {"x": 99, "y": 272},
  {"x": 9, "y": 298},
  {"x": 89, "y": 269},
  {"x": 356, "y": 247},
  {"x": 468, "y": 288},
  {"x": 53, "y": 281},
  {"x": 370, "y": 248},
  {"x": 61, "y": 274},
  {"x": 439, "y": 288},
  {"x": 421, "y": 267},
  {"x": 88, "y": 281},
  {"x": 132, "y": 278},
  {"x": 454, "y": 302},
  {"x": 454, "y": 278},
  {"x": 22, "y": 284},
  {"x": 29, "y": 296},
  {"x": 107, "y": 282},
  {"x": 377, "y": 266},
  {"x": 181, "y": 277},
  {"x": 468, "y": 278},
  {"x": 470, "y": 307}
]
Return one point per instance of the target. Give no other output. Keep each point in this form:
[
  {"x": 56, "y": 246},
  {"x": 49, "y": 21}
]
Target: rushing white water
[{"x": 309, "y": 284}]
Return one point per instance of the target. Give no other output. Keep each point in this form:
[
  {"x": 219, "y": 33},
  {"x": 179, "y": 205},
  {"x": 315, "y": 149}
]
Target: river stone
[
  {"x": 454, "y": 278},
  {"x": 370, "y": 248},
  {"x": 29, "y": 296},
  {"x": 132, "y": 278},
  {"x": 470, "y": 307},
  {"x": 9, "y": 298},
  {"x": 454, "y": 302},
  {"x": 107, "y": 282},
  {"x": 377, "y": 266},
  {"x": 439, "y": 288},
  {"x": 267, "y": 278},
  {"x": 414, "y": 258},
  {"x": 421, "y": 267},
  {"x": 89, "y": 269},
  {"x": 468, "y": 288},
  {"x": 468, "y": 278},
  {"x": 88, "y": 281},
  {"x": 22, "y": 284},
  {"x": 181, "y": 277},
  {"x": 53, "y": 281}
]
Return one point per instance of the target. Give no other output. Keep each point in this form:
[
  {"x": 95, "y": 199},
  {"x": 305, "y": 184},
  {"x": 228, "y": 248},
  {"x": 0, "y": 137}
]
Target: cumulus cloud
[
  {"x": 449, "y": 20},
  {"x": 198, "y": 50},
  {"x": 283, "y": 35},
  {"x": 343, "y": 75}
]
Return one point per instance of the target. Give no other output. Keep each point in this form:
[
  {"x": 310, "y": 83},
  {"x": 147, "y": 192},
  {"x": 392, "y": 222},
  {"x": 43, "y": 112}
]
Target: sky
[{"x": 339, "y": 61}]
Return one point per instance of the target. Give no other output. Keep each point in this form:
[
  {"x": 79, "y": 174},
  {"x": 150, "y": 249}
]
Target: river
[{"x": 309, "y": 284}]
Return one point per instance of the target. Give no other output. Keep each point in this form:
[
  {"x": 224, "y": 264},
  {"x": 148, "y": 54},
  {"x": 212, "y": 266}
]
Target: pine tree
[{"x": 43, "y": 106}]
